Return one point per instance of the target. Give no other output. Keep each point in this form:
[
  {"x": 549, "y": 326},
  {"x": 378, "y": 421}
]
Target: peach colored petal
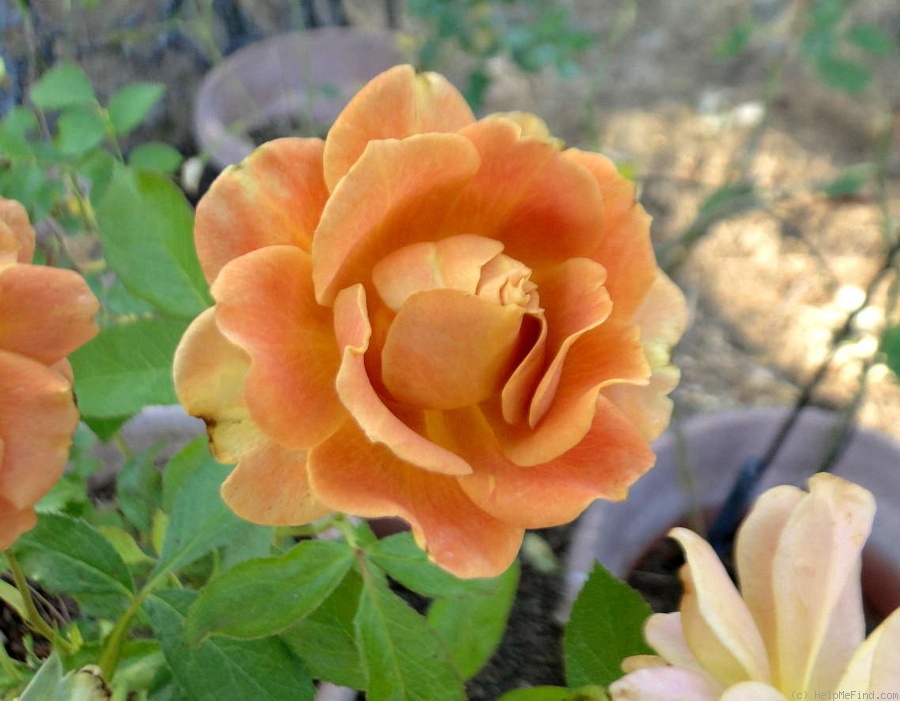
[
  {"x": 518, "y": 392},
  {"x": 398, "y": 193},
  {"x": 453, "y": 263},
  {"x": 876, "y": 664},
  {"x": 369, "y": 410},
  {"x": 13, "y": 521},
  {"x": 717, "y": 625},
  {"x": 527, "y": 195},
  {"x": 607, "y": 460},
  {"x": 532, "y": 126},
  {"x": 663, "y": 632},
  {"x": 575, "y": 301},
  {"x": 45, "y": 313},
  {"x": 755, "y": 547},
  {"x": 818, "y": 551},
  {"x": 663, "y": 317},
  {"x": 624, "y": 248},
  {"x": 270, "y": 486},
  {"x": 274, "y": 196},
  {"x": 752, "y": 691},
  {"x": 601, "y": 357},
  {"x": 265, "y": 305},
  {"x": 209, "y": 379},
  {"x": 447, "y": 349},
  {"x": 16, "y": 234},
  {"x": 37, "y": 420},
  {"x": 648, "y": 407},
  {"x": 394, "y": 105},
  {"x": 354, "y": 475},
  {"x": 662, "y": 684},
  {"x": 636, "y": 662}
]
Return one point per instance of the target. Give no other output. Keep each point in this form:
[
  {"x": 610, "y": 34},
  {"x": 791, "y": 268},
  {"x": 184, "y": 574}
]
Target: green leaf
[
  {"x": 556, "y": 693},
  {"x": 127, "y": 367},
  {"x": 105, "y": 429},
  {"x": 850, "y": 182},
  {"x": 42, "y": 687},
  {"x": 262, "y": 597},
  {"x": 403, "y": 658},
  {"x": 146, "y": 229},
  {"x": 155, "y": 156},
  {"x": 139, "y": 489},
  {"x": 69, "y": 556},
  {"x": 871, "y": 39},
  {"x": 841, "y": 73},
  {"x": 472, "y": 626},
  {"x": 223, "y": 669},
  {"x": 200, "y": 521},
  {"x": 325, "y": 640},
  {"x": 605, "y": 627},
  {"x": 195, "y": 456},
  {"x": 131, "y": 105},
  {"x": 63, "y": 85},
  {"x": 79, "y": 130},
  {"x": 890, "y": 346},
  {"x": 125, "y": 545}
]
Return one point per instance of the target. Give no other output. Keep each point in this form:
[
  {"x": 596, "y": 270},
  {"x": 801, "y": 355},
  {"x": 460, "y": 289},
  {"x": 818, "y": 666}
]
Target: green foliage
[
  {"x": 534, "y": 34},
  {"x": 890, "y": 347}
]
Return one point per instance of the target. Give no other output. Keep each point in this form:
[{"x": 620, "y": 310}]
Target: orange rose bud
[
  {"x": 45, "y": 314},
  {"x": 452, "y": 321}
]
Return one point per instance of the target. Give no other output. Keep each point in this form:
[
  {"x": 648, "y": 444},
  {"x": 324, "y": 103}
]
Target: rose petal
[
  {"x": 603, "y": 356},
  {"x": 452, "y": 263},
  {"x": 398, "y": 193},
  {"x": 354, "y": 475},
  {"x": 13, "y": 521},
  {"x": 359, "y": 396},
  {"x": 648, "y": 407},
  {"x": 752, "y": 691},
  {"x": 270, "y": 486},
  {"x": 661, "y": 684},
  {"x": 624, "y": 246},
  {"x": 663, "y": 317},
  {"x": 37, "y": 420},
  {"x": 274, "y": 196},
  {"x": 45, "y": 313},
  {"x": 267, "y": 307},
  {"x": 447, "y": 349},
  {"x": 717, "y": 625},
  {"x": 16, "y": 234},
  {"x": 608, "y": 459},
  {"x": 526, "y": 195},
  {"x": 819, "y": 550},
  {"x": 209, "y": 379},
  {"x": 876, "y": 664},
  {"x": 394, "y": 105}
]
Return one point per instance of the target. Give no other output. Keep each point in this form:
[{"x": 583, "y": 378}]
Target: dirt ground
[{"x": 768, "y": 287}]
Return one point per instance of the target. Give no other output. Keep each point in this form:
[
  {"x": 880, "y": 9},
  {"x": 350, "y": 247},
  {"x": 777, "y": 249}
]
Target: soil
[{"x": 768, "y": 286}]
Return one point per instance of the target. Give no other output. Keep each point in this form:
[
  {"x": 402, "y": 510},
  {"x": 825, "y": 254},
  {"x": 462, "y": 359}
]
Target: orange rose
[
  {"x": 449, "y": 320},
  {"x": 45, "y": 314}
]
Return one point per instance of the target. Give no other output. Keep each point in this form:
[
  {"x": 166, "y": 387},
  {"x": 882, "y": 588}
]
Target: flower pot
[
  {"x": 310, "y": 75},
  {"x": 716, "y": 446}
]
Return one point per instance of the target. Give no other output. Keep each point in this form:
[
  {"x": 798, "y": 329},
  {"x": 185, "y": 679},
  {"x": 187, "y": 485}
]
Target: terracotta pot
[
  {"x": 310, "y": 74},
  {"x": 617, "y": 534}
]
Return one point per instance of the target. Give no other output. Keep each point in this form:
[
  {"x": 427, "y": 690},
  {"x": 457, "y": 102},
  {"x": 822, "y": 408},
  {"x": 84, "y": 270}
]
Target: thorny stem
[{"x": 33, "y": 618}]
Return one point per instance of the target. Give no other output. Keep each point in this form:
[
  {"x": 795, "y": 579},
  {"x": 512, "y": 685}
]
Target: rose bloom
[
  {"x": 798, "y": 629},
  {"x": 427, "y": 316},
  {"x": 45, "y": 314}
]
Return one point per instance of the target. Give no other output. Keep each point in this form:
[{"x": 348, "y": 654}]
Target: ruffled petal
[
  {"x": 603, "y": 356},
  {"x": 210, "y": 372},
  {"x": 17, "y": 236},
  {"x": 816, "y": 565},
  {"x": 876, "y": 664},
  {"x": 716, "y": 623},
  {"x": 355, "y": 389},
  {"x": 37, "y": 419},
  {"x": 351, "y": 474},
  {"x": 394, "y": 105},
  {"x": 608, "y": 459},
  {"x": 447, "y": 349},
  {"x": 45, "y": 313},
  {"x": 270, "y": 486},
  {"x": 544, "y": 208},
  {"x": 267, "y": 307},
  {"x": 274, "y": 196},
  {"x": 398, "y": 193},
  {"x": 624, "y": 246},
  {"x": 662, "y": 684}
]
